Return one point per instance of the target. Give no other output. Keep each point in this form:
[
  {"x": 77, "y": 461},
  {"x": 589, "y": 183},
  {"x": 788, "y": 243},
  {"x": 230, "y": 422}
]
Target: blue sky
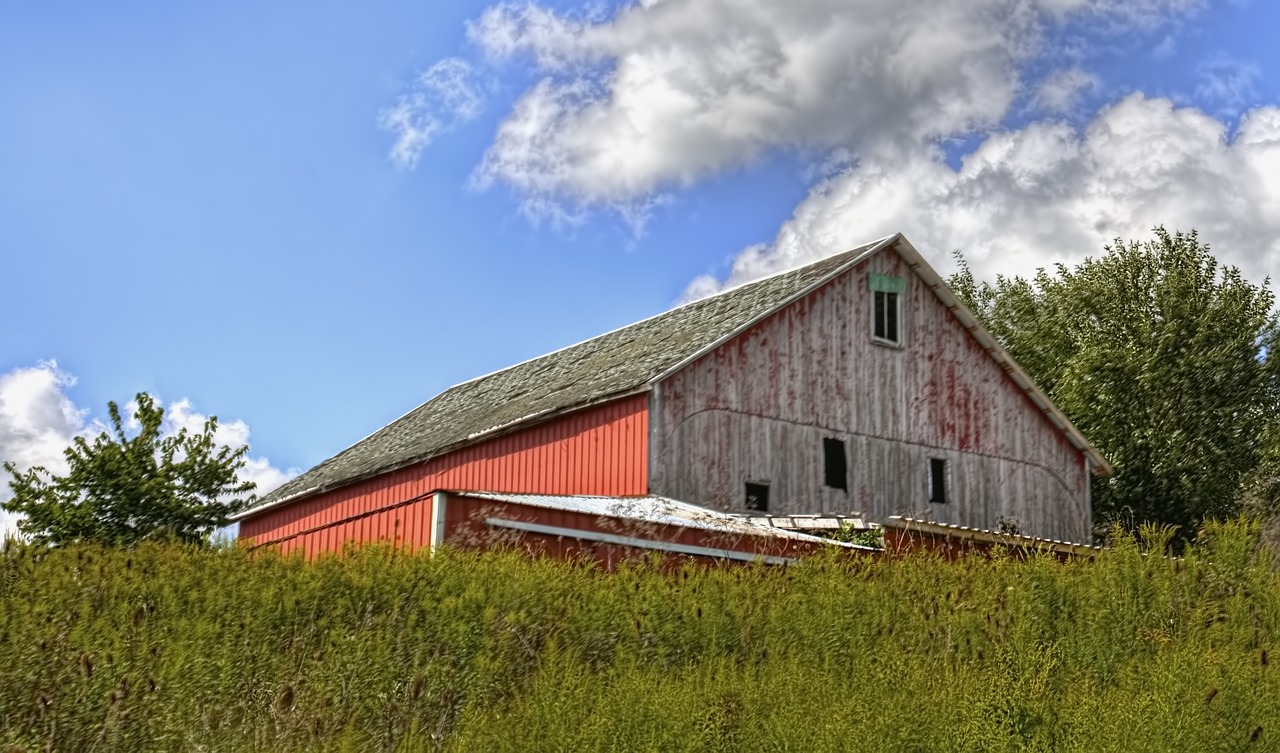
[{"x": 308, "y": 218}]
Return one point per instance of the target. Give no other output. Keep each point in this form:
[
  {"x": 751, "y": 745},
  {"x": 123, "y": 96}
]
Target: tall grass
[{"x": 175, "y": 648}]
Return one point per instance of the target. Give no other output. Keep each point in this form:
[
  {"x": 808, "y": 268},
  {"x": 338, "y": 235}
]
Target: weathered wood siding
[
  {"x": 601, "y": 450},
  {"x": 758, "y": 408}
]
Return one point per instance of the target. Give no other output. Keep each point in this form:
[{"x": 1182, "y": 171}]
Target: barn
[{"x": 857, "y": 385}]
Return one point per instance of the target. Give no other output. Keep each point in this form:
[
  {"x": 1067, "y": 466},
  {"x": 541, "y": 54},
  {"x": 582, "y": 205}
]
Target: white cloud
[
  {"x": 234, "y": 434},
  {"x": 38, "y": 420},
  {"x": 1061, "y": 91},
  {"x": 662, "y": 95},
  {"x": 668, "y": 94},
  {"x": 556, "y": 42},
  {"x": 444, "y": 96},
  {"x": 1050, "y": 192},
  {"x": 626, "y": 107}
]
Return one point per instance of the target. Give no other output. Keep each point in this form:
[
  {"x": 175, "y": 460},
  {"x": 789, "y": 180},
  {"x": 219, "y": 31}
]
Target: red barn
[{"x": 858, "y": 383}]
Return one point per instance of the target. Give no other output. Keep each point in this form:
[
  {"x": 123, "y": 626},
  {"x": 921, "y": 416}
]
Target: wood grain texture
[{"x": 758, "y": 407}]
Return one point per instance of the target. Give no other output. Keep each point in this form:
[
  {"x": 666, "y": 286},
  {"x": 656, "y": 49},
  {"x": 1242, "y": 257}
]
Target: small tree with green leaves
[{"x": 121, "y": 488}]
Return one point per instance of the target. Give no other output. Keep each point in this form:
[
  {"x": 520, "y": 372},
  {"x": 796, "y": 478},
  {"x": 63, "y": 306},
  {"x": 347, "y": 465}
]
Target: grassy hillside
[{"x": 171, "y": 648}]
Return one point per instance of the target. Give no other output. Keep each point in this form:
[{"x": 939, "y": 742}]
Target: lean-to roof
[{"x": 661, "y": 510}]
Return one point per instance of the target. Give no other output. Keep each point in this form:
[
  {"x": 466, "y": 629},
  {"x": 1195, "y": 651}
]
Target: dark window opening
[
  {"x": 879, "y": 326},
  {"x": 837, "y": 466},
  {"x": 886, "y": 316},
  {"x": 938, "y": 481},
  {"x": 757, "y": 497}
]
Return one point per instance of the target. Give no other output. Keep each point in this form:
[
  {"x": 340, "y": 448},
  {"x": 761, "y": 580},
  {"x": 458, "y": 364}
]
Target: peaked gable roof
[
  {"x": 609, "y": 366},
  {"x": 623, "y": 362}
]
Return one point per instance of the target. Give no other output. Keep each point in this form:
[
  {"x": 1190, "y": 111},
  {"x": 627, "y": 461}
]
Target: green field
[{"x": 177, "y": 648}]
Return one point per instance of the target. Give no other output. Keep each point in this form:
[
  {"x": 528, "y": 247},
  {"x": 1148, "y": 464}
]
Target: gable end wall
[{"x": 758, "y": 407}]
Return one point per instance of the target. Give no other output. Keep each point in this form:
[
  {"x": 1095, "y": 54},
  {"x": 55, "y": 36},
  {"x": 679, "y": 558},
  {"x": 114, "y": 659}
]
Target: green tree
[
  {"x": 1166, "y": 360},
  {"x": 121, "y": 489}
]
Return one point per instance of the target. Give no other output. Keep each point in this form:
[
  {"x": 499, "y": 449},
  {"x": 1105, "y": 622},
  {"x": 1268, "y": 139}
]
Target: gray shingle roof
[{"x": 614, "y": 364}]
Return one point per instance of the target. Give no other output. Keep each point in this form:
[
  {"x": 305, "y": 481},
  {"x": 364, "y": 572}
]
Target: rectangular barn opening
[
  {"x": 835, "y": 464},
  {"x": 757, "y": 497},
  {"x": 938, "y": 481}
]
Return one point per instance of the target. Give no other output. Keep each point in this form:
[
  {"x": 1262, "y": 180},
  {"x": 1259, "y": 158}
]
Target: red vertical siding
[
  {"x": 601, "y": 450},
  {"x": 393, "y": 526}
]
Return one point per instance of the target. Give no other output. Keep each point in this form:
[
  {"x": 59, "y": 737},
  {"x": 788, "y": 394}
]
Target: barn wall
[
  {"x": 601, "y": 450},
  {"x": 406, "y": 525},
  {"x": 758, "y": 407}
]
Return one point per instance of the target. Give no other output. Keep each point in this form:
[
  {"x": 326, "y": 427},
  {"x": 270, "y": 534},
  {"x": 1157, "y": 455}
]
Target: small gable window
[
  {"x": 835, "y": 464},
  {"x": 757, "y": 497},
  {"x": 886, "y": 311}
]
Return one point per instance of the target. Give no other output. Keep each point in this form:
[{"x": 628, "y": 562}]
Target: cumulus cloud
[
  {"x": 663, "y": 94},
  {"x": 444, "y": 96},
  {"x": 627, "y": 106},
  {"x": 1050, "y": 192},
  {"x": 38, "y": 420},
  {"x": 668, "y": 94},
  {"x": 234, "y": 434}
]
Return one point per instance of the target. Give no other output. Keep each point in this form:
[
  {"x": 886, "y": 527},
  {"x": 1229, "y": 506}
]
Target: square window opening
[
  {"x": 888, "y": 309},
  {"x": 757, "y": 499},
  {"x": 835, "y": 464},
  {"x": 938, "y": 481}
]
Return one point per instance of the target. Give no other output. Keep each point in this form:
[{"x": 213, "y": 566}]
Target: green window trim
[{"x": 886, "y": 283}]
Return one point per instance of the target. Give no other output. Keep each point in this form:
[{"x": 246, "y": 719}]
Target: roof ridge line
[
  {"x": 869, "y": 248},
  {"x": 664, "y": 312}
]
